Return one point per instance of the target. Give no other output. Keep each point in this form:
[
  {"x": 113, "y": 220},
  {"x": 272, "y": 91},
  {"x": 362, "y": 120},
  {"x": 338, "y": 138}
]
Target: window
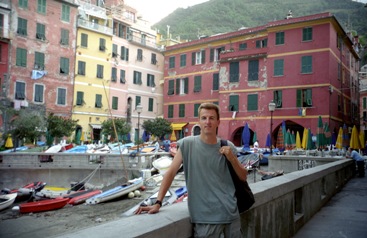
[
  {"x": 279, "y": 38},
  {"x": 150, "y": 104},
  {"x": 23, "y": 3},
  {"x": 64, "y": 37},
  {"x": 196, "y": 109},
  {"x": 39, "y": 60},
  {"x": 307, "y": 34},
  {"x": 137, "y": 78},
  {"x": 65, "y": 13},
  {"x": 306, "y": 66},
  {"x": 252, "y": 102},
  {"x": 122, "y": 76},
  {"x": 171, "y": 62},
  {"x": 150, "y": 80},
  {"x": 124, "y": 53},
  {"x": 84, "y": 40},
  {"x": 243, "y": 46},
  {"x": 115, "y": 103},
  {"x": 233, "y": 103},
  {"x": 19, "y": 90},
  {"x": 153, "y": 59},
  {"x": 114, "y": 50},
  {"x": 171, "y": 87},
  {"x": 234, "y": 72},
  {"x": 79, "y": 98},
  {"x": 304, "y": 97},
  {"x": 98, "y": 103},
  {"x": 38, "y": 93},
  {"x": 21, "y": 57},
  {"x": 41, "y": 32},
  {"x": 137, "y": 101},
  {"x": 41, "y": 6},
  {"x": 81, "y": 67},
  {"x": 143, "y": 39},
  {"x": 61, "y": 96},
  {"x": 99, "y": 71},
  {"x": 139, "y": 56},
  {"x": 22, "y": 27},
  {"x": 339, "y": 104},
  {"x": 253, "y": 70},
  {"x": 262, "y": 43},
  {"x": 183, "y": 60},
  {"x": 181, "y": 110},
  {"x": 364, "y": 104},
  {"x": 102, "y": 44},
  {"x": 216, "y": 81},
  {"x": 279, "y": 67},
  {"x": 198, "y": 57},
  {"x": 114, "y": 74},
  {"x": 182, "y": 86},
  {"x": 64, "y": 65},
  {"x": 197, "y": 84},
  {"x": 278, "y": 98},
  {"x": 215, "y": 54},
  {"x": 170, "y": 111}
]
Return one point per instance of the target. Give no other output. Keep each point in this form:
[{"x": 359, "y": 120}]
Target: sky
[{"x": 155, "y": 10}]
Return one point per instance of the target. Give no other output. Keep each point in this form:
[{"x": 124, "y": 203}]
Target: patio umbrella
[
  {"x": 361, "y": 139},
  {"x": 327, "y": 134},
  {"x": 333, "y": 138},
  {"x": 254, "y": 138},
  {"x": 82, "y": 138},
  {"x": 346, "y": 139},
  {"x": 280, "y": 140},
  {"x": 9, "y": 142},
  {"x": 298, "y": 141},
  {"x": 173, "y": 136},
  {"x": 288, "y": 140},
  {"x": 304, "y": 138},
  {"x": 78, "y": 135},
  {"x": 145, "y": 136},
  {"x": 293, "y": 140},
  {"x": 354, "y": 139},
  {"x": 339, "y": 140},
  {"x": 320, "y": 141},
  {"x": 267, "y": 143},
  {"x": 246, "y": 138},
  {"x": 284, "y": 129},
  {"x": 309, "y": 145}
]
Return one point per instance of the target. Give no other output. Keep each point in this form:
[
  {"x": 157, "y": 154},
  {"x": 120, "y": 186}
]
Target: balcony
[
  {"x": 144, "y": 42},
  {"x": 92, "y": 10},
  {"x": 94, "y": 27}
]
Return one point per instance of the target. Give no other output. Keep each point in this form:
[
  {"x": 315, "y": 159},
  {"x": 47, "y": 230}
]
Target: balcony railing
[
  {"x": 144, "y": 42},
  {"x": 94, "y": 26}
]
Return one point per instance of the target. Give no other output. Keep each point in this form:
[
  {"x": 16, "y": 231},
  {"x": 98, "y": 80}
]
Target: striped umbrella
[
  {"x": 339, "y": 140},
  {"x": 280, "y": 140}
]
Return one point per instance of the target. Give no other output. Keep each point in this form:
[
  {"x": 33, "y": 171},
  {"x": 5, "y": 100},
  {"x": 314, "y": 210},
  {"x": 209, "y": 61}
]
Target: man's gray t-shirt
[{"x": 211, "y": 193}]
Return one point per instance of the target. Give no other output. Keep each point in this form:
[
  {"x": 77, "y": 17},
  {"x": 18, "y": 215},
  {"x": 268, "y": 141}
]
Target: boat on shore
[
  {"x": 81, "y": 196},
  {"x": 43, "y": 205},
  {"x": 6, "y": 200},
  {"x": 116, "y": 192}
]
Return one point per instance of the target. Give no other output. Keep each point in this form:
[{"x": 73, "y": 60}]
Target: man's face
[{"x": 209, "y": 121}]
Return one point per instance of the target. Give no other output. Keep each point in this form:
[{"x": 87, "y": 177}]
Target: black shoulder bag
[{"x": 245, "y": 197}]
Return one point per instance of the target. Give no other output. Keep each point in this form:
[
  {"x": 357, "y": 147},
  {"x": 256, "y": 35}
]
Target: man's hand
[{"x": 148, "y": 209}]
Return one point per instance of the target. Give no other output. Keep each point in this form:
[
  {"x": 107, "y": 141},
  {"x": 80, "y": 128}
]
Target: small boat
[
  {"x": 26, "y": 192},
  {"x": 43, "y": 205},
  {"x": 80, "y": 197},
  {"x": 116, "y": 192},
  {"x": 7, "y": 200},
  {"x": 51, "y": 192},
  {"x": 162, "y": 164}
]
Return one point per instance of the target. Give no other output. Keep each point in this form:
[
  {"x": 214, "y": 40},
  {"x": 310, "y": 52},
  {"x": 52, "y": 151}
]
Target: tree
[
  {"x": 58, "y": 126},
  {"x": 122, "y": 127},
  {"x": 158, "y": 127},
  {"x": 28, "y": 125}
]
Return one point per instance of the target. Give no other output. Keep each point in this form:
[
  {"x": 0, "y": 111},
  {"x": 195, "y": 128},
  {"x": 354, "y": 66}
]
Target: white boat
[
  {"x": 7, "y": 200},
  {"x": 162, "y": 164},
  {"x": 116, "y": 192}
]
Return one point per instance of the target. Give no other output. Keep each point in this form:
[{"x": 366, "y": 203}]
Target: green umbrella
[
  {"x": 254, "y": 138},
  {"x": 288, "y": 140},
  {"x": 327, "y": 134},
  {"x": 320, "y": 137},
  {"x": 309, "y": 140},
  {"x": 78, "y": 135}
]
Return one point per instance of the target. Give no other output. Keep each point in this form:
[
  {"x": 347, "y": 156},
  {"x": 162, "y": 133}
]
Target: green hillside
[{"x": 219, "y": 16}]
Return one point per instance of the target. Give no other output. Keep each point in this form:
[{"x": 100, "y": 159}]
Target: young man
[
  {"x": 353, "y": 154},
  {"x": 211, "y": 202}
]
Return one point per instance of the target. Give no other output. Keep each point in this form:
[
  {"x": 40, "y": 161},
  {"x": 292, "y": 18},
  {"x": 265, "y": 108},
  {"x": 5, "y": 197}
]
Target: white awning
[{"x": 96, "y": 126}]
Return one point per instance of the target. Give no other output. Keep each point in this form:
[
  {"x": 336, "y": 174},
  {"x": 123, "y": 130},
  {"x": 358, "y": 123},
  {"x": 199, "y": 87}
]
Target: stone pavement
[{"x": 345, "y": 215}]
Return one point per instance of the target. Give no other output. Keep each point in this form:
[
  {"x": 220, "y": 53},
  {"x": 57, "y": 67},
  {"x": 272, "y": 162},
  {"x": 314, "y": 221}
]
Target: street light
[
  {"x": 271, "y": 109},
  {"x": 139, "y": 109}
]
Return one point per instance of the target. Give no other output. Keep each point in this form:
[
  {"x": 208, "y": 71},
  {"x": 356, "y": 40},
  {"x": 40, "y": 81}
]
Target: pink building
[{"x": 306, "y": 65}]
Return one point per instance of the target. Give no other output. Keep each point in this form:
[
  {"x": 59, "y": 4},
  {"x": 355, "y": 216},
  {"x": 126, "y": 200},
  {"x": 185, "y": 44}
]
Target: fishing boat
[
  {"x": 81, "y": 196},
  {"x": 43, "y": 205},
  {"x": 6, "y": 200},
  {"x": 51, "y": 192},
  {"x": 116, "y": 192}
]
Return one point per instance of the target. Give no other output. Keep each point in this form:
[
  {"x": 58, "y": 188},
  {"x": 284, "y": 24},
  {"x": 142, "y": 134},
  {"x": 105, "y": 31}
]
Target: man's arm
[
  {"x": 165, "y": 185},
  {"x": 240, "y": 170}
]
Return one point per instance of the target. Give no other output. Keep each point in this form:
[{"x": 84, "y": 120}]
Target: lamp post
[
  {"x": 271, "y": 109},
  {"x": 139, "y": 109}
]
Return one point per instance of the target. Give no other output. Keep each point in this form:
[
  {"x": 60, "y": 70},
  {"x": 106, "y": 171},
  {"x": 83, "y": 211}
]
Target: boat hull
[
  {"x": 7, "y": 200},
  {"x": 43, "y": 205},
  {"x": 83, "y": 196}
]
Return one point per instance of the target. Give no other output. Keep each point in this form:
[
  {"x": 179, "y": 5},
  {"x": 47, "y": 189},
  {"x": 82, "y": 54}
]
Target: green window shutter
[
  {"x": 183, "y": 60},
  {"x": 172, "y": 62},
  {"x": 364, "y": 103},
  {"x": 178, "y": 86},
  {"x": 81, "y": 68},
  {"x": 102, "y": 44},
  {"x": 39, "y": 61},
  {"x": 79, "y": 98},
  {"x": 171, "y": 87},
  {"x": 150, "y": 104},
  {"x": 181, "y": 112},
  {"x": 306, "y": 64},
  {"x": 122, "y": 76},
  {"x": 253, "y": 73},
  {"x": 211, "y": 57},
  {"x": 279, "y": 38},
  {"x": 64, "y": 37},
  {"x": 20, "y": 90},
  {"x": 299, "y": 98},
  {"x": 99, "y": 71},
  {"x": 98, "y": 103},
  {"x": 65, "y": 15},
  {"x": 41, "y": 6},
  {"x": 278, "y": 98},
  {"x": 64, "y": 65},
  {"x": 137, "y": 101},
  {"x": 186, "y": 86},
  {"x": 252, "y": 101},
  {"x": 170, "y": 111},
  {"x": 233, "y": 103},
  {"x": 114, "y": 50},
  {"x": 203, "y": 56},
  {"x": 193, "y": 58},
  {"x": 114, "y": 74},
  {"x": 21, "y": 57},
  {"x": 216, "y": 81},
  {"x": 197, "y": 83},
  {"x": 40, "y": 31},
  {"x": 307, "y": 34},
  {"x": 61, "y": 96},
  {"x": 309, "y": 97},
  {"x": 279, "y": 67},
  {"x": 38, "y": 94},
  {"x": 234, "y": 72},
  {"x": 115, "y": 101},
  {"x": 84, "y": 40},
  {"x": 196, "y": 109}
]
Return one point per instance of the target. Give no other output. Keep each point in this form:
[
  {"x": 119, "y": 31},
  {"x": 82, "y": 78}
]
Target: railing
[{"x": 94, "y": 26}]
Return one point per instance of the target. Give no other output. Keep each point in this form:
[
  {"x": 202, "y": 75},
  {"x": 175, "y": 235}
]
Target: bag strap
[{"x": 231, "y": 169}]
